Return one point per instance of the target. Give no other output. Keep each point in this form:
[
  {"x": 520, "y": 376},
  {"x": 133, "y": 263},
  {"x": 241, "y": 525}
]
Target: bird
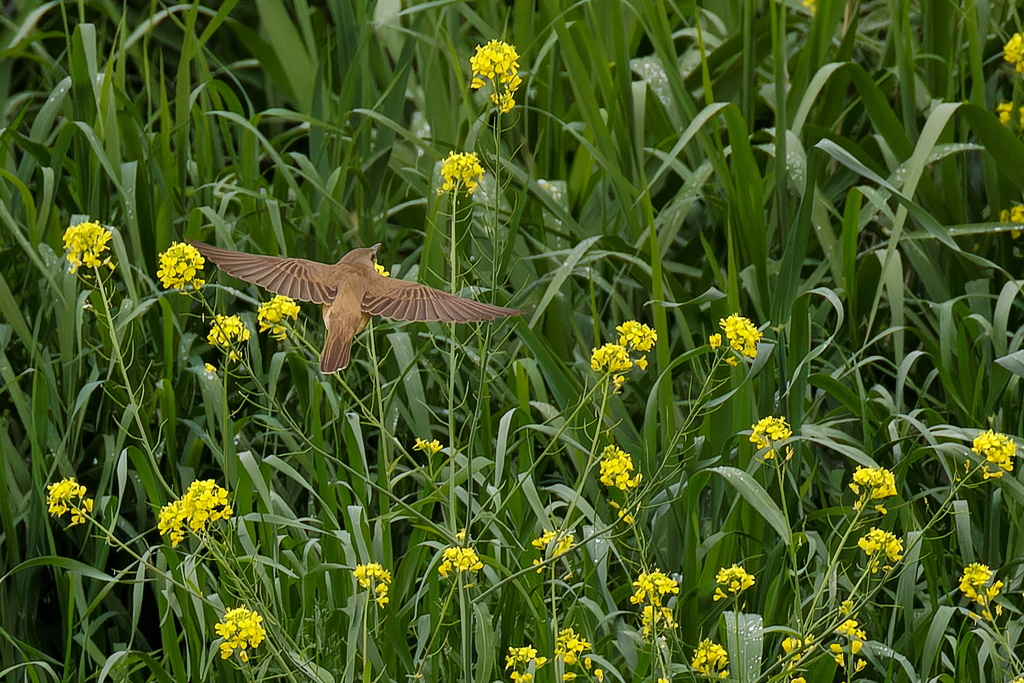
[{"x": 350, "y": 291}]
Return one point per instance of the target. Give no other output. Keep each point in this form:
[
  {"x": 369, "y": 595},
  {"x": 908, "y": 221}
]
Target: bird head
[{"x": 364, "y": 255}]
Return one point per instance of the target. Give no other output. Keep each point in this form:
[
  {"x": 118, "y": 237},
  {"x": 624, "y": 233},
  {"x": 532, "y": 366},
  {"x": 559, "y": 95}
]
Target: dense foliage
[{"x": 752, "y": 425}]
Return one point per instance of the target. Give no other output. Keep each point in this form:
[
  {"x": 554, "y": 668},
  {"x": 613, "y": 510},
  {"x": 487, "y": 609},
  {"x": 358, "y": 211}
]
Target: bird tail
[{"x": 336, "y": 353}]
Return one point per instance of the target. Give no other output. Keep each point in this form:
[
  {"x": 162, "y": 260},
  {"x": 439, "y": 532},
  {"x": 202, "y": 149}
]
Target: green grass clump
[{"x": 757, "y": 422}]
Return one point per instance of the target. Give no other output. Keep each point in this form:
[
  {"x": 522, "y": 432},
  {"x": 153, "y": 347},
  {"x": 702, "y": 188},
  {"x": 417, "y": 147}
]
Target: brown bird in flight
[{"x": 350, "y": 290}]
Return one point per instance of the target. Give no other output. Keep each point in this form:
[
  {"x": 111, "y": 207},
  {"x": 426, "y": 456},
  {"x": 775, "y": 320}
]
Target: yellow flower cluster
[
  {"x": 651, "y": 591},
  {"x": 180, "y": 266},
  {"x": 741, "y": 333},
  {"x": 461, "y": 170},
  {"x": 634, "y": 335},
  {"x": 1004, "y": 110},
  {"x": 497, "y": 62},
  {"x": 770, "y": 430},
  {"x": 811, "y": 6},
  {"x": 877, "y": 483},
  {"x": 734, "y": 579},
  {"x": 975, "y": 585},
  {"x": 797, "y": 648},
  {"x": 570, "y": 645},
  {"x": 615, "y": 358},
  {"x": 85, "y": 244},
  {"x": 856, "y": 636},
  {"x": 563, "y": 543},
  {"x": 272, "y": 313},
  {"x": 431, "y": 448},
  {"x": 381, "y": 270},
  {"x": 881, "y": 542},
  {"x": 710, "y": 659},
  {"x": 241, "y": 629},
  {"x": 1015, "y": 214},
  {"x": 459, "y": 560},
  {"x": 526, "y": 659},
  {"x": 67, "y": 495},
  {"x": 225, "y": 332},
  {"x": 203, "y": 502},
  {"x": 375, "y": 578},
  {"x": 998, "y": 450},
  {"x": 616, "y": 464},
  {"x": 1013, "y": 52}
]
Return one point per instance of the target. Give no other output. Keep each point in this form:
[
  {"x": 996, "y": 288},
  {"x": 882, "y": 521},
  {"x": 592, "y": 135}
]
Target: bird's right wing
[
  {"x": 293, "y": 277},
  {"x": 403, "y": 300}
]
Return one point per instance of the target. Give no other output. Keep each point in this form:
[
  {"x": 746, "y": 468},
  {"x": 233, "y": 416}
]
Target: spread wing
[
  {"x": 294, "y": 277},
  {"x": 403, "y": 300}
]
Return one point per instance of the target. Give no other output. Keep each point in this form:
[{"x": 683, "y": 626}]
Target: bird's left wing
[
  {"x": 293, "y": 277},
  {"x": 403, "y": 300}
]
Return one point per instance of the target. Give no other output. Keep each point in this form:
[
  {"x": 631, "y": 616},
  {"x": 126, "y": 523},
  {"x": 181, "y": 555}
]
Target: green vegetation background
[{"x": 642, "y": 177}]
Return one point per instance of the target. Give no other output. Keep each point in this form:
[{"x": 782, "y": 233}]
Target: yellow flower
[
  {"x": 634, "y": 335},
  {"x": 613, "y": 358},
  {"x": 663, "y": 680},
  {"x": 879, "y": 541},
  {"x": 181, "y": 265},
  {"x": 616, "y": 464},
  {"x": 225, "y": 331},
  {"x": 811, "y": 6},
  {"x": 975, "y": 585},
  {"x": 570, "y": 645},
  {"x": 523, "y": 655},
  {"x": 849, "y": 628},
  {"x": 67, "y": 495},
  {"x": 715, "y": 341},
  {"x": 563, "y": 543},
  {"x": 204, "y": 502},
  {"x": 240, "y": 628},
  {"x": 654, "y": 618},
  {"x": 797, "y": 647},
  {"x": 741, "y": 333},
  {"x": 374, "y": 577},
  {"x": 768, "y": 431},
  {"x": 85, "y": 244},
  {"x": 846, "y": 607},
  {"x": 1003, "y": 110},
  {"x": 431, "y": 448},
  {"x": 856, "y": 636},
  {"x": 878, "y": 483},
  {"x": 381, "y": 270},
  {"x": 1013, "y": 51},
  {"x": 651, "y": 588},
  {"x": 710, "y": 659},
  {"x": 735, "y": 579},
  {"x": 272, "y": 313},
  {"x": 460, "y": 560},
  {"x": 461, "y": 170},
  {"x": 210, "y": 371},
  {"x": 525, "y": 658},
  {"x": 1015, "y": 214},
  {"x": 998, "y": 450},
  {"x": 497, "y": 62}
]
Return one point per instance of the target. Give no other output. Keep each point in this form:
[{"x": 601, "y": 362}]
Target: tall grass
[{"x": 642, "y": 175}]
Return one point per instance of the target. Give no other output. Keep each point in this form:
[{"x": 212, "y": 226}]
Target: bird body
[{"x": 351, "y": 291}]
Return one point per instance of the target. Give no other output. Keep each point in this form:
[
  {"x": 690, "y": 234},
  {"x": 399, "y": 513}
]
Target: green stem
[{"x": 119, "y": 360}]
